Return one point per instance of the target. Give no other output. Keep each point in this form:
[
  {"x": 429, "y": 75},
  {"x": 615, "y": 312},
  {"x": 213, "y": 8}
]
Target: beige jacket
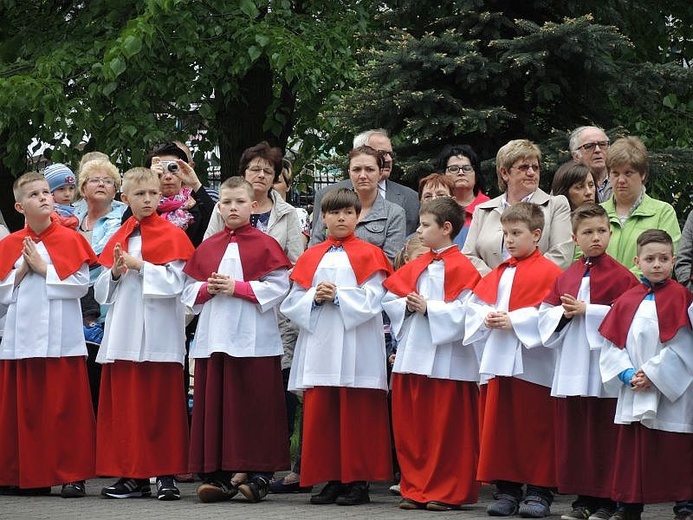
[{"x": 484, "y": 245}]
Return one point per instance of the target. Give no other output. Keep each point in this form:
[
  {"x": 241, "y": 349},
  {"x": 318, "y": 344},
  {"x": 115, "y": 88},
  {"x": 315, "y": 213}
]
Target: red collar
[
  {"x": 534, "y": 277},
  {"x": 460, "y": 274},
  {"x": 162, "y": 242},
  {"x": 67, "y": 248},
  {"x": 365, "y": 259}
]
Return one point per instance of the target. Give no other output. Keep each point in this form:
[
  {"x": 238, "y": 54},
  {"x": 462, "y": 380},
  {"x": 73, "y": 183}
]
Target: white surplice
[
  {"x": 578, "y": 346},
  {"x": 431, "y": 345},
  {"x": 517, "y": 352},
  {"x": 233, "y": 325},
  {"x": 338, "y": 344},
  {"x": 44, "y": 317},
  {"x": 668, "y": 405},
  {"x": 146, "y": 318}
]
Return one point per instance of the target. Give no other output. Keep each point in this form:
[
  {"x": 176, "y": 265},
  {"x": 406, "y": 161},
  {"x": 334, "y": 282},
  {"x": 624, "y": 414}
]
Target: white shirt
[
  {"x": 431, "y": 345},
  {"x": 44, "y": 317},
  {"x": 233, "y": 325},
  {"x": 517, "y": 352},
  {"x": 146, "y": 318},
  {"x": 338, "y": 345}
]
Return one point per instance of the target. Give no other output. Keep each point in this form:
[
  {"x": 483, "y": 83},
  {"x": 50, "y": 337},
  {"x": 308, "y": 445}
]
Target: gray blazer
[
  {"x": 684, "y": 258},
  {"x": 396, "y": 193},
  {"x": 383, "y": 226}
]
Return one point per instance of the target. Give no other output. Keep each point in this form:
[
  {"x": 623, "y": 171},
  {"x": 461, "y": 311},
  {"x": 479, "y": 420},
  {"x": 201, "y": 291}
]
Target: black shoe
[
  {"x": 216, "y": 490},
  {"x": 357, "y": 494},
  {"x": 329, "y": 494},
  {"x": 255, "y": 489},
  {"x": 166, "y": 488},
  {"x": 73, "y": 490},
  {"x": 128, "y": 488},
  {"x": 9, "y": 490},
  {"x": 35, "y": 492}
]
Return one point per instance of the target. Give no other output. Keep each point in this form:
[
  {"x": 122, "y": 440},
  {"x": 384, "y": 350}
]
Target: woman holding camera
[{"x": 184, "y": 201}]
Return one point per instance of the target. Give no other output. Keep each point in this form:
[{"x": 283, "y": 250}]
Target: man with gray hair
[
  {"x": 391, "y": 191},
  {"x": 588, "y": 146}
]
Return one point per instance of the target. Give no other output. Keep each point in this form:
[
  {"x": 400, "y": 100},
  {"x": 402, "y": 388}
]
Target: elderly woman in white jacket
[{"x": 517, "y": 167}]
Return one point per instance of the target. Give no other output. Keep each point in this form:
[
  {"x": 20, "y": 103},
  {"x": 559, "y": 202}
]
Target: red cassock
[
  {"x": 346, "y": 435},
  {"x": 142, "y": 428},
  {"x": 47, "y": 426},
  {"x": 585, "y": 430},
  {"x": 437, "y": 438},
  {"x": 47, "y": 422},
  {"x": 517, "y": 416}
]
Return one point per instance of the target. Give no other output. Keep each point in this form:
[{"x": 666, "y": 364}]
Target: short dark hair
[
  {"x": 263, "y": 150},
  {"x": 567, "y": 176},
  {"x": 655, "y": 236},
  {"x": 587, "y": 211},
  {"x": 525, "y": 212},
  {"x": 165, "y": 149},
  {"x": 367, "y": 150},
  {"x": 340, "y": 198},
  {"x": 463, "y": 150},
  {"x": 444, "y": 210}
]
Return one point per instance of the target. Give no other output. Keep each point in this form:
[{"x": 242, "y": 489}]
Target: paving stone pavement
[{"x": 383, "y": 506}]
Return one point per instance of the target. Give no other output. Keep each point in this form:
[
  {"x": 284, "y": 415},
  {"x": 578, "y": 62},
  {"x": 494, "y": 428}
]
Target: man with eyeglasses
[
  {"x": 391, "y": 191},
  {"x": 588, "y": 145}
]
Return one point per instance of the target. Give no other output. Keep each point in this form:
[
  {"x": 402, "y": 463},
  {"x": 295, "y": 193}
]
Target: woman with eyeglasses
[
  {"x": 461, "y": 164},
  {"x": 98, "y": 212},
  {"x": 631, "y": 211},
  {"x": 261, "y": 166},
  {"x": 517, "y": 169}
]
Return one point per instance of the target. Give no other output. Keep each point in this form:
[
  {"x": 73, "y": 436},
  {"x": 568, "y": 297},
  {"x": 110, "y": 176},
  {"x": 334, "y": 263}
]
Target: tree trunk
[{"x": 239, "y": 121}]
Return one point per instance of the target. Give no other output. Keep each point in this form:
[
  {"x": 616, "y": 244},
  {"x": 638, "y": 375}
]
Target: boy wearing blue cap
[{"x": 63, "y": 184}]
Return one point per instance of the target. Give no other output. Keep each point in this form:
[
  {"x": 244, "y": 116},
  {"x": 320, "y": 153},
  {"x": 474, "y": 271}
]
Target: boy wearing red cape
[
  {"x": 435, "y": 413},
  {"x": 236, "y": 280},
  {"x": 339, "y": 361},
  {"x": 569, "y": 320},
  {"x": 517, "y": 426},
  {"x": 648, "y": 358},
  {"x": 142, "y": 427},
  {"x": 47, "y": 423}
]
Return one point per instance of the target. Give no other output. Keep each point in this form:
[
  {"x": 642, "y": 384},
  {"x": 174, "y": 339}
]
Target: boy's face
[
  {"x": 656, "y": 261},
  {"x": 520, "y": 241},
  {"x": 235, "y": 206},
  {"x": 64, "y": 194},
  {"x": 341, "y": 223},
  {"x": 592, "y": 235},
  {"x": 431, "y": 233},
  {"x": 143, "y": 198},
  {"x": 36, "y": 201}
]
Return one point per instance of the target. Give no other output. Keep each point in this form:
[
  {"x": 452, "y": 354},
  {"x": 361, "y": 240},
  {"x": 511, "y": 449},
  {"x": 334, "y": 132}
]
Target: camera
[{"x": 170, "y": 166}]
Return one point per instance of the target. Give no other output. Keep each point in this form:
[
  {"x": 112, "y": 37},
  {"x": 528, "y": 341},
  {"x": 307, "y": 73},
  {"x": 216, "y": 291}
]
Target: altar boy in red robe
[
  {"x": 435, "y": 414},
  {"x": 339, "y": 361},
  {"x": 517, "y": 419},
  {"x": 47, "y": 428},
  {"x": 142, "y": 426},
  {"x": 648, "y": 358},
  {"x": 236, "y": 280}
]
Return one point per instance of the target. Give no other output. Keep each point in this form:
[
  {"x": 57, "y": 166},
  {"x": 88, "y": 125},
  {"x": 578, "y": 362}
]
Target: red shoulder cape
[
  {"x": 608, "y": 280},
  {"x": 260, "y": 254},
  {"x": 67, "y": 248},
  {"x": 534, "y": 277},
  {"x": 365, "y": 259},
  {"x": 671, "y": 299},
  {"x": 460, "y": 274},
  {"x": 162, "y": 242}
]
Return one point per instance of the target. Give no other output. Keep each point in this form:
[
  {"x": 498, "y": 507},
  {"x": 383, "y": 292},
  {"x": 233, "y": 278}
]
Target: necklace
[{"x": 85, "y": 223}]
